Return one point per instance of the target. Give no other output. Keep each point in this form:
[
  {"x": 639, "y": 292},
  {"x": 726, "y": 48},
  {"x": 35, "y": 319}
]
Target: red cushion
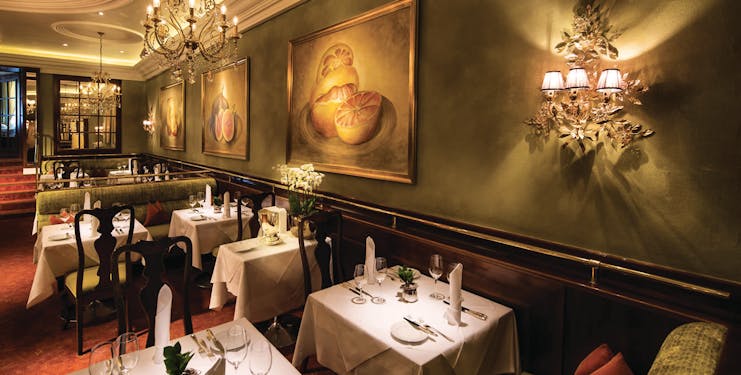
[
  {"x": 594, "y": 360},
  {"x": 156, "y": 214},
  {"x": 55, "y": 220},
  {"x": 616, "y": 366}
]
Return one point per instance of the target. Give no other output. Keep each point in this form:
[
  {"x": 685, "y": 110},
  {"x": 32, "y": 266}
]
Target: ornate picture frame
[
  {"x": 225, "y": 110},
  {"x": 352, "y": 95},
  {"x": 171, "y": 115}
]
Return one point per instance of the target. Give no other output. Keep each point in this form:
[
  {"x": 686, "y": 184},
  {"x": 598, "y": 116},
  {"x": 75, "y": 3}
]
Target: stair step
[
  {"x": 8, "y": 178},
  {"x": 11, "y": 169},
  {"x": 8, "y": 195},
  {"x": 17, "y": 204},
  {"x": 18, "y": 211},
  {"x": 18, "y": 185},
  {"x": 11, "y": 162}
]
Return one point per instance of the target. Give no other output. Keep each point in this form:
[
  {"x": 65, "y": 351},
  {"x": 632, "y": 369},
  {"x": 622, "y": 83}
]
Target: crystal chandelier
[
  {"x": 575, "y": 111},
  {"x": 101, "y": 95},
  {"x": 189, "y": 36}
]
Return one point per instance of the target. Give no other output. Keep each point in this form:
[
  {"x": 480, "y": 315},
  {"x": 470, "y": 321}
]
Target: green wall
[
  {"x": 133, "y": 112},
  {"x": 673, "y": 201}
]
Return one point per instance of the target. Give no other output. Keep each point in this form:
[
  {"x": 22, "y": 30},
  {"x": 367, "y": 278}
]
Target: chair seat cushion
[{"x": 90, "y": 279}]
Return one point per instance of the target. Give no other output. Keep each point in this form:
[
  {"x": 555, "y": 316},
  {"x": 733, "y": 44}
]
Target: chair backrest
[
  {"x": 63, "y": 170},
  {"x": 104, "y": 245},
  {"x": 327, "y": 224},
  {"x": 147, "y": 166},
  {"x": 154, "y": 253},
  {"x": 238, "y": 196},
  {"x": 256, "y": 203}
]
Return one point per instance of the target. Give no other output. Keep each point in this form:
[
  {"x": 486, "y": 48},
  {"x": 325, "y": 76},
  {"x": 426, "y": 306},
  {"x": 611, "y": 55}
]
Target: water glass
[
  {"x": 235, "y": 343},
  {"x": 192, "y": 202},
  {"x": 436, "y": 270},
  {"x": 126, "y": 352},
  {"x": 101, "y": 359},
  {"x": 201, "y": 197},
  {"x": 359, "y": 276},
  {"x": 261, "y": 357},
  {"x": 74, "y": 208},
  {"x": 381, "y": 268}
]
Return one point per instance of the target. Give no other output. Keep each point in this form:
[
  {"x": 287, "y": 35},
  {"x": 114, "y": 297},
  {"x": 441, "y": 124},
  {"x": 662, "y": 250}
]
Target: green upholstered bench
[
  {"x": 173, "y": 195},
  {"x": 690, "y": 349}
]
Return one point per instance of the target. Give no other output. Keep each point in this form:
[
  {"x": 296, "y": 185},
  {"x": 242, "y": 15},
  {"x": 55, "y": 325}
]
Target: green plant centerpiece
[
  {"x": 409, "y": 288},
  {"x": 175, "y": 361},
  {"x": 302, "y": 183}
]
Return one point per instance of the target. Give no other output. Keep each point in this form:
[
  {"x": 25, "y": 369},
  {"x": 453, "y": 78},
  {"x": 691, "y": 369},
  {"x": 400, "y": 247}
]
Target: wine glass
[
  {"x": 201, "y": 197},
  {"x": 192, "y": 202},
  {"x": 235, "y": 343},
  {"x": 360, "y": 280},
  {"x": 63, "y": 214},
  {"x": 101, "y": 359},
  {"x": 74, "y": 208},
  {"x": 436, "y": 270},
  {"x": 125, "y": 352},
  {"x": 381, "y": 267},
  {"x": 261, "y": 357}
]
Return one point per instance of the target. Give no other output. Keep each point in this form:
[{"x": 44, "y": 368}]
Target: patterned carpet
[{"x": 33, "y": 341}]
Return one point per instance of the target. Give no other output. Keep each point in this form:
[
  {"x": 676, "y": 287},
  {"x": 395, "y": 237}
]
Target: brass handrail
[{"x": 592, "y": 263}]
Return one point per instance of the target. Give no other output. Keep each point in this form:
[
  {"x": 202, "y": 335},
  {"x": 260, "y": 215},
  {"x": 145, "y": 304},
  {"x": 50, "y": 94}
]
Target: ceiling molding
[
  {"x": 63, "y": 7},
  {"x": 67, "y": 67},
  {"x": 256, "y": 12},
  {"x": 88, "y": 31}
]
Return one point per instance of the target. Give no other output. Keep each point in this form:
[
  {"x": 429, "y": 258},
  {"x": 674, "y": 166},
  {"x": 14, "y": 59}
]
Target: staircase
[{"x": 17, "y": 191}]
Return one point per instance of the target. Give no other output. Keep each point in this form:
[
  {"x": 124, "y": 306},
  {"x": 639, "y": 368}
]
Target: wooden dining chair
[
  {"x": 65, "y": 170},
  {"x": 154, "y": 253},
  {"x": 89, "y": 284},
  {"x": 326, "y": 224},
  {"x": 147, "y": 166},
  {"x": 255, "y": 202}
]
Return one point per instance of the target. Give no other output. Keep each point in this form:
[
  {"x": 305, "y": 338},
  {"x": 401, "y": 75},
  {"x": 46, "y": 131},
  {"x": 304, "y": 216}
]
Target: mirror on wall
[{"x": 79, "y": 127}]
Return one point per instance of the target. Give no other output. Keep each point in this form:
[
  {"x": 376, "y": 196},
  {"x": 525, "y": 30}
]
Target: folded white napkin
[
  {"x": 157, "y": 171},
  {"x": 94, "y": 222},
  {"x": 282, "y": 218},
  {"x": 226, "y": 211},
  {"x": 370, "y": 260},
  {"x": 86, "y": 205},
  {"x": 162, "y": 322},
  {"x": 219, "y": 368},
  {"x": 453, "y": 312},
  {"x": 207, "y": 203},
  {"x": 167, "y": 174}
]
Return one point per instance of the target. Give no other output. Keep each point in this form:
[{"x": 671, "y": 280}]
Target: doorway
[{"x": 18, "y": 124}]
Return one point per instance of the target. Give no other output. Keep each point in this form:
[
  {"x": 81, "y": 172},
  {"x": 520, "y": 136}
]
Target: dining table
[
  {"x": 121, "y": 176},
  {"x": 369, "y": 338},
  {"x": 207, "y": 229},
  {"x": 266, "y": 277},
  {"x": 203, "y": 363},
  {"x": 55, "y": 253}
]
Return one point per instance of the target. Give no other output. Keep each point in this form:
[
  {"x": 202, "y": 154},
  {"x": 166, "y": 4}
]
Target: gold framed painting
[
  {"x": 171, "y": 110},
  {"x": 352, "y": 98},
  {"x": 224, "y": 109}
]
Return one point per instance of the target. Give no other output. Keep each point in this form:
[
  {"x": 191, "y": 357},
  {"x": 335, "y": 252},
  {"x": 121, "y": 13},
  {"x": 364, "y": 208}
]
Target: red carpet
[{"x": 32, "y": 341}]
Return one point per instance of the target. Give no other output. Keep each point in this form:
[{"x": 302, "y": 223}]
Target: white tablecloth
[
  {"x": 208, "y": 234},
  {"x": 55, "y": 258},
  {"x": 120, "y": 176},
  {"x": 267, "y": 280},
  {"x": 146, "y": 366},
  {"x": 356, "y": 339}
]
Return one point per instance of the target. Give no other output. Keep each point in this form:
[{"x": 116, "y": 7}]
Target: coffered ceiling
[{"x": 61, "y": 36}]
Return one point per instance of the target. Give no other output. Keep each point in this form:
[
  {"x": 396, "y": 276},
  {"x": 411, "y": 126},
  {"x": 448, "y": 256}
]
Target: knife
[
  {"x": 420, "y": 327},
  {"x": 351, "y": 289},
  {"x": 216, "y": 342},
  {"x": 201, "y": 349},
  {"x": 474, "y": 313}
]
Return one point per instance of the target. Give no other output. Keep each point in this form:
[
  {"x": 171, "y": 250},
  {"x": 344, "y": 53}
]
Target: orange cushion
[
  {"x": 616, "y": 366},
  {"x": 55, "y": 220},
  {"x": 156, "y": 214},
  {"x": 594, "y": 360}
]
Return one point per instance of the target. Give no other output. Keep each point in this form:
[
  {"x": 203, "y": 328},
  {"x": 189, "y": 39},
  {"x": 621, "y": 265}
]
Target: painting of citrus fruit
[
  {"x": 352, "y": 98},
  {"x": 224, "y": 111},
  {"x": 171, "y": 117}
]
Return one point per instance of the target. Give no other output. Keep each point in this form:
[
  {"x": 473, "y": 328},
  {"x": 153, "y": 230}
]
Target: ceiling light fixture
[
  {"x": 190, "y": 35},
  {"x": 102, "y": 95},
  {"x": 582, "y": 114}
]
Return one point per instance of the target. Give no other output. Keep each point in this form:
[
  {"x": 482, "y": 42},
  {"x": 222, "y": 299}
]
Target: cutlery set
[
  {"x": 426, "y": 328},
  {"x": 214, "y": 349},
  {"x": 474, "y": 313}
]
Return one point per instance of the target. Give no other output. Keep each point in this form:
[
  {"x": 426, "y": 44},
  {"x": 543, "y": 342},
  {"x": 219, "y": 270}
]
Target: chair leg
[{"x": 80, "y": 319}]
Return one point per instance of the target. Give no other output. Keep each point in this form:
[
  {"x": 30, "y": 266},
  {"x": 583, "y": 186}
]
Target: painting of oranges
[
  {"x": 171, "y": 117},
  {"x": 224, "y": 111},
  {"x": 351, "y": 95}
]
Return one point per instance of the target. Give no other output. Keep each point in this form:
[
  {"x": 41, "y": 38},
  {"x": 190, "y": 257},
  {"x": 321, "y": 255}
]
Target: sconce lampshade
[
  {"x": 552, "y": 81},
  {"x": 577, "y": 79},
  {"x": 610, "y": 81}
]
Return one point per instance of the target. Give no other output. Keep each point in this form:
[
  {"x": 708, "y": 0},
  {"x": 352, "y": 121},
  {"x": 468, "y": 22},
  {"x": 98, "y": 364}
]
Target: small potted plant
[
  {"x": 217, "y": 204},
  {"x": 409, "y": 288},
  {"x": 176, "y": 362}
]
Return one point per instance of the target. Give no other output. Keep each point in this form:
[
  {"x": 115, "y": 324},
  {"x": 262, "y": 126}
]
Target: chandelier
[
  {"x": 189, "y": 36},
  {"x": 101, "y": 95},
  {"x": 575, "y": 111}
]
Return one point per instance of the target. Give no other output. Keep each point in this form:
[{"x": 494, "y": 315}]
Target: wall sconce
[
  {"x": 571, "y": 108},
  {"x": 149, "y": 123}
]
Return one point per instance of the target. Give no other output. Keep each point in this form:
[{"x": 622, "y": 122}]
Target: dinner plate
[
  {"x": 404, "y": 332},
  {"x": 59, "y": 236},
  {"x": 414, "y": 270},
  {"x": 197, "y": 218}
]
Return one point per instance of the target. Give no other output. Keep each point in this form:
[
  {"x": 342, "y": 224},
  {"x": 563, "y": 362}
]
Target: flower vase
[
  {"x": 295, "y": 221},
  {"x": 409, "y": 292}
]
